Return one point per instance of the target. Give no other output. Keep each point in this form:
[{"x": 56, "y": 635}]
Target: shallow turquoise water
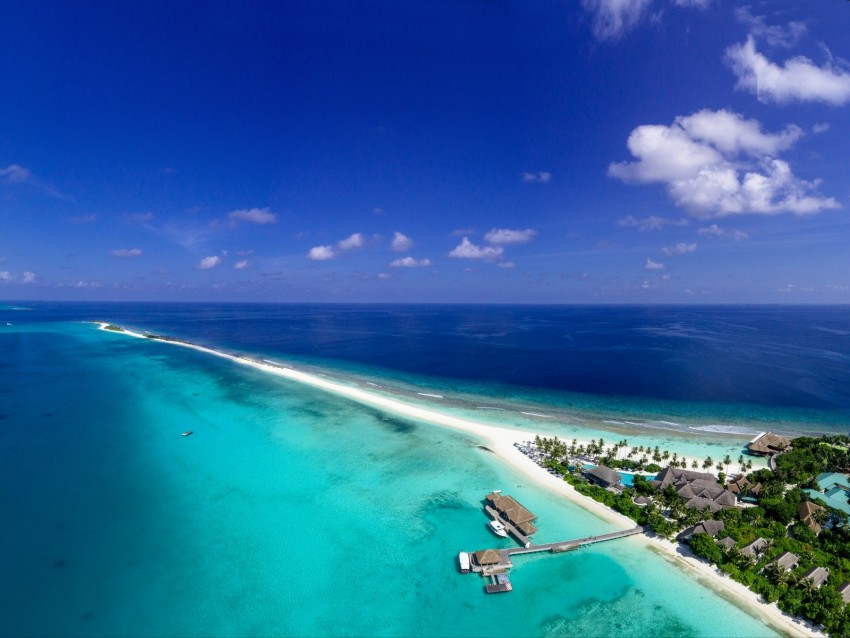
[{"x": 288, "y": 512}]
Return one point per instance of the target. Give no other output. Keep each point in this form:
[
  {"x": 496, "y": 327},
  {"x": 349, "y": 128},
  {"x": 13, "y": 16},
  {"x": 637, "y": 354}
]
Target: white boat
[
  {"x": 498, "y": 529},
  {"x": 463, "y": 561},
  {"x": 188, "y": 433}
]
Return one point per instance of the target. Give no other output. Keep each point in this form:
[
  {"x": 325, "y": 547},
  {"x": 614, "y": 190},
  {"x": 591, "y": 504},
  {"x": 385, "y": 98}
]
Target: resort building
[
  {"x": 817, "y": 575},
  {"x": 844, "y": 590},
  {"x": 768, "y": 443},
  {"x": 700, "y": 490},
  {"x": 642, "y": 501},
  {"x": 727, "y": 543},
  {"x": 603, "y": 476},
  {"x": 512, "y": 512},
  {"x": 712, "y": 528},
  {"x": 834, "y": 490},
  {"x": 754, "y": 549},
  {"x": 742, "y": 488},
  {"x": 786, "y": 561},
  {"x": 487, "y": 557},
  {"x": 809, "y": 514}
]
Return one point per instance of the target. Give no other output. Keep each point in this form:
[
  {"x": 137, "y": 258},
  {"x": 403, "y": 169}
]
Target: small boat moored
[
  {"x": 188, "y": 433},
  {"x": 463, "y": 562},
  {"x": 498, "y": 529}
]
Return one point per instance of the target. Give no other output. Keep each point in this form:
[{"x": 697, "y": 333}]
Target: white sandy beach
[{"x": 501, "y": 442}]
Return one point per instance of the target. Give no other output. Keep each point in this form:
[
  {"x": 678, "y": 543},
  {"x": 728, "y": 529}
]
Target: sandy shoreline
[{"x": 501, "y": 442}]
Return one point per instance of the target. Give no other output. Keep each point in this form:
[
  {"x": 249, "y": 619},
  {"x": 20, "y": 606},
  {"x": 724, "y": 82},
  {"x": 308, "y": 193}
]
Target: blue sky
[{"x": 594, "y": 151}]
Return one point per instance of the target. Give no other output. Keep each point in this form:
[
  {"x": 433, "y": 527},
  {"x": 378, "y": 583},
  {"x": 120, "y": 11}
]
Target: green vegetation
[
  {"x": 113, "y": 328},
  {"x": 774, "y": 517}
]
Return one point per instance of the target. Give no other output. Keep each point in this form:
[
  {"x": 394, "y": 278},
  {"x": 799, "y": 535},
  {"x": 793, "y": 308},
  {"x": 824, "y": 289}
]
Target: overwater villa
[{"x": 513, "y": 512}]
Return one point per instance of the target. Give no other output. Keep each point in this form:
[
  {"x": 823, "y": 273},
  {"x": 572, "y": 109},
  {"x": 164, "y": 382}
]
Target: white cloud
[
  {"x": 652, "y": 265},
  {"x": 410, "y": 262},
  {"x": 401, "y": 243},
  {"x": 798, "y": 79},
  {"x": 384, "y": 275},
  {"x": 350, "y": 242},
  {"x": 462, "y": 232},
  {"x": 209, "y": 262},
  {"x": 253, "y": 216},
  {"x": 467, "y": 250},
  {"x": 506, "y": 264},
  {"x": 774, "y": 35},
  {"x": 697, "y": 4},
  {"x": 650, "y": 223},
  {"x": 86, "y": 284},
  {"x": 716, "y": 231},
  {"x": 504, "y": 236},
  {"x": 716, "y": 163},
  {"x": 90, "y": 218},
  {"x": 5, "y": 275},
  {"x": 242, "y": 265},
  {"x": 15, "y": 174},
  {"x": 28, "y": 278},
  {"x": 543, "y": 177},
  {"x": 613, "y": 18},
  {"x": 679, "y": 249},
  {"x": 139, "y": 218},
  {"x": 820, "y": 127},
  {"x": 321, "y": 253},
  {"x": 126, "y": 252}
]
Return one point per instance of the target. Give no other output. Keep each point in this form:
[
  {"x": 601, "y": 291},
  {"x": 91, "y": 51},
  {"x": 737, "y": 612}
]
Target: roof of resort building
[
  {"x": 768, "y": 443},
  {"x": 727, "y": 543},
  {"x": 817, "y": 575},
  {"x": 712, "y": 528},
  {"x": 488, "y": 557},
  {"x": 808, "y": 513},
  {"x": 510, "y": 508},
  {"x": 604, "y": 475},
  {"x": 755, "y": 547},
  {"x": 740, "y": 485},
  {"x": 526, "y": 528},
  {"x": 844, "y": 590},
  {"x": 700, "y": 490},
  {"x": 642, "y": 501},
  {"x": 787, "y": 560},
  {"x": 836, "y": 488}
]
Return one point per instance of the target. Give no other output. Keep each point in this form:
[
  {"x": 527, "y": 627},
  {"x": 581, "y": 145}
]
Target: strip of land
[{"x": 501, "y": 442}]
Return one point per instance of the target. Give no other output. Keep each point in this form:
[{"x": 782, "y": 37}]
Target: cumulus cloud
[
  {"x": 209, "y": 262},
  {"x": 717, "y": 163},
  {"x": 384, "y": 275},
  {"x": 650, "y": 223},
  {"x": 716, "y": 231},
  {"x": 679, "y": 249},
  {"x": 652, "y": 265},
  {"x": 504, "y": 236},
  {"x": 410, "y": 262},
  {"x": 321, "y": 253},
  {"x": 351, "y": 242},
  {"x": 401, "y": 243},
  {"x": 614, "y": 18},
  {"x": 253, "y": 216},
  {"x": 5, "y": 275},
  {"x": 542, "y": 177},
  {"x": 798, "y": 79},
  {"x": 467, "y": 250},
  {"x": 14, "y": 174},
  {"x": 774, "y": 35},
  {"x": 28, "y": 277},
  {"x": 125, "y": 253},
  {"x": 820, "y": 127},
  {"x": 242, "y": 265}
]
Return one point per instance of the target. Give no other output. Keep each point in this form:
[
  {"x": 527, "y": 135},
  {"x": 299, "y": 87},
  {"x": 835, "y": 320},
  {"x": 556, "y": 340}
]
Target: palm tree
[
  {"x": 727, "y": 460},
  {"x": 741, "y": 463},
  {"x": 707, "y": 463},
  {"x": 694, "y": 464}
]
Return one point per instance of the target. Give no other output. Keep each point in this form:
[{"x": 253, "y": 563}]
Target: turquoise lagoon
[{"x": 288, "y": 512}]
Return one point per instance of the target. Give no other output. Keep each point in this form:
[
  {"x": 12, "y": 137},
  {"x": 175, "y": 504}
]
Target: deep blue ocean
[{"x": 293, "y": 512}]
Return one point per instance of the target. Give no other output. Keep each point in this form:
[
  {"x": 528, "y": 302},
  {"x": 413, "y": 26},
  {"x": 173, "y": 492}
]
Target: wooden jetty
[{"x": 493, "y": 564}]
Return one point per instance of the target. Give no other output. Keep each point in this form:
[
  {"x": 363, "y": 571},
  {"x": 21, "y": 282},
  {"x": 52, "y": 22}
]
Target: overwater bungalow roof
[
  {"x": 768, "y": 443},
  {"x": 488, "y": 557}
]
